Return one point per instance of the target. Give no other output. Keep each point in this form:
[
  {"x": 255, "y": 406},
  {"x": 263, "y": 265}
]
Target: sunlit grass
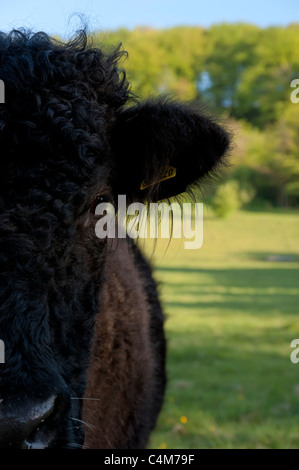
[{"x": 232, "y": 310}]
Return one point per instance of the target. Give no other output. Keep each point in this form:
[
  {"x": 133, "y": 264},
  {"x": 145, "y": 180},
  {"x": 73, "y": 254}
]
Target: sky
[{"x": 58, "y": 16}]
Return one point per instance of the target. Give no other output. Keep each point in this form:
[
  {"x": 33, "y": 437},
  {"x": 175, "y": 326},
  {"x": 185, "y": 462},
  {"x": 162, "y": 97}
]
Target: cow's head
[{"x": 68, "y": 140}]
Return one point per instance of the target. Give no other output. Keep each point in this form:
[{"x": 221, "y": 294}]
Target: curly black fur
[{"x": 67, "y": 135}]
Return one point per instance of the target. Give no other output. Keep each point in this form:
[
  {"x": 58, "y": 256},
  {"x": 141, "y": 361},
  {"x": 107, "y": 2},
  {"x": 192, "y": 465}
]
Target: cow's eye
[{"x": 99, "y": 199}]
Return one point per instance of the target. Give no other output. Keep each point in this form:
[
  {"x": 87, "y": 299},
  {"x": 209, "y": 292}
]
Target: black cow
[{"x": 79, "y": 315}]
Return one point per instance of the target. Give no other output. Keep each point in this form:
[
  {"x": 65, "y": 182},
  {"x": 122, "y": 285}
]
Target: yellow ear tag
[{"x": 169, "y": 172}]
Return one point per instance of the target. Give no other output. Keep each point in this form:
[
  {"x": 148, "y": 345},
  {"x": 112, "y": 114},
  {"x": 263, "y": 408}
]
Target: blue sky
[{"x": 55, "y": 16}]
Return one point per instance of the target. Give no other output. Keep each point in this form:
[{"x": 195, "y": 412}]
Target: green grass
[{"x": 232, "y": 310}]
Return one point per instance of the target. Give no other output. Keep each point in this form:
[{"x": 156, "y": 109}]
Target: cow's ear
[{"x": 163, "y": 148}]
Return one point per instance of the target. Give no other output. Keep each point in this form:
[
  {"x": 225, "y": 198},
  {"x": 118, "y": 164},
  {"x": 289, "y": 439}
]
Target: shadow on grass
[
  {"x": 232, "y": 398},
  {"x": 287, "y": 276},
  {"x": 236, "y": 390},
  {"x": 233, "y": 380},
  {"x": 258, "y": 306},
  {"x": 272, "y": 257}
]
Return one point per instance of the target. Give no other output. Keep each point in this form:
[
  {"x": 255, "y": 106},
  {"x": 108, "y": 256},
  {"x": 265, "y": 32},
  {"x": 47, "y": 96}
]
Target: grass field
[{"x": 232, "y": 310}]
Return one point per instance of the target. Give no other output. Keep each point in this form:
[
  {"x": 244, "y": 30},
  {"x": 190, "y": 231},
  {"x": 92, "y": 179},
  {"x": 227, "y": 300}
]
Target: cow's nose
[{"x": 26, "y": 426}]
